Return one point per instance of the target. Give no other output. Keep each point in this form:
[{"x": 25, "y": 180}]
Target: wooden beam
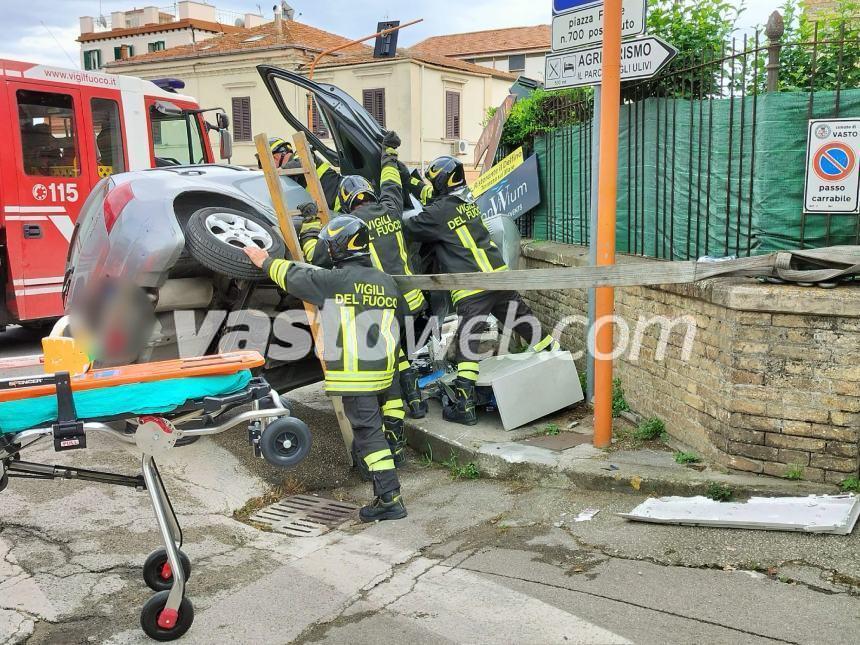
[
  {"x": 618, "y": 275},
  {"x": 285, "y": 222}
]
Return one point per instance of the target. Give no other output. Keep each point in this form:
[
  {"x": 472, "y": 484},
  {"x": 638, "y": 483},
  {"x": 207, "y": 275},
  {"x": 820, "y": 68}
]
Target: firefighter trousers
[
  {"x": 511, "y": 312},
  {"x": 365, "y": 415}
]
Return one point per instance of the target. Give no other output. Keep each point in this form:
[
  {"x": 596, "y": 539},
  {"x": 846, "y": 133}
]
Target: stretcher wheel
[
  {"x": 156, "y": 570},
  {"x": 285, "y": 442},
  {"x": 152, "y": 612}
]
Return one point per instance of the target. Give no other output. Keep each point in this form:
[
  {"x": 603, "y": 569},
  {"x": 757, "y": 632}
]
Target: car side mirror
[
  {"x": 222, "y": 120},
  {"x": 226, "y": 143}
]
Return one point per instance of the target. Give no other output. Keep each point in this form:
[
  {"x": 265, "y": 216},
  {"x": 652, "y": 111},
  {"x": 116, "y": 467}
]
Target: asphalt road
[{"x": 475, "y": 561}]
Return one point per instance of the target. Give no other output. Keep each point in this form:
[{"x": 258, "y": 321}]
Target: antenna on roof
[
  {"x": 239, "y": 22},
  {"x": 287, "y": 10}
]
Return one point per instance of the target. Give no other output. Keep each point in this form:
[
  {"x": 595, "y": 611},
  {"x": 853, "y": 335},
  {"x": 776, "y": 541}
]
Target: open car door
[{"x": 356, "y": 134}]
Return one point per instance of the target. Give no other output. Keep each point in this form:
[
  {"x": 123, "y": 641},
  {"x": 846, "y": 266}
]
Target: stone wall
[{"x": 772, "y": 384}]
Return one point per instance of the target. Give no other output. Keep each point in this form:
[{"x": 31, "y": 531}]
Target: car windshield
[{"x": 176, "y": 139}]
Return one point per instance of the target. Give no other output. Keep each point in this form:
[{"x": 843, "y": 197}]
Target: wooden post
[
  {"x": 285, "y": 223},
  {"x": 607, "y": 194}
]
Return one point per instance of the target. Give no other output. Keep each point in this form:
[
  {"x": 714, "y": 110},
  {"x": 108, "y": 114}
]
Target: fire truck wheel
[{"x": 215, "y": 237}]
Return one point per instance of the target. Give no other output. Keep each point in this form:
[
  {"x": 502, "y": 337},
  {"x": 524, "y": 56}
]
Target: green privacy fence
[{"x": 698, "y": 177}]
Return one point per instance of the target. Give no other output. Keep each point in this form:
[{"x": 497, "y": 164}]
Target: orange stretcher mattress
[{"x": 15, "y": 389}]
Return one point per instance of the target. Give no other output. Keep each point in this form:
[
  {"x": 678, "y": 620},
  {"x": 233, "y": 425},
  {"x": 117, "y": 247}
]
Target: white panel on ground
[
  {"x": 835, "y": 514},
  {"x": 531, "y": 385}
]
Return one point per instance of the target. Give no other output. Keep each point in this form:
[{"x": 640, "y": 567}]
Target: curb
[{"x": 514, "y": 461}]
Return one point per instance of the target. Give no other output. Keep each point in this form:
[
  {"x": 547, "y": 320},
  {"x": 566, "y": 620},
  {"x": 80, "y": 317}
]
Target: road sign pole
[
  {"x": 610, "y": 107},
  {"x": 592, "y": 239}
]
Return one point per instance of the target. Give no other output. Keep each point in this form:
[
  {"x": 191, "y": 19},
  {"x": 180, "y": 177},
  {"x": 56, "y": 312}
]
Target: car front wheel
[{"x": 216, "y": 238}]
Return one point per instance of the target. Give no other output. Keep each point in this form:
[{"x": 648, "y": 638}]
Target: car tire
[{"x": 215, "y": 237}]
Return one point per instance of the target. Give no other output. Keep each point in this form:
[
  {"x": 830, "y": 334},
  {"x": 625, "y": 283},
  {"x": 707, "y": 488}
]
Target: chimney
[
  {"x": 279, "y": 24},
  {"x": 123, "y": 52},
  {"x": 88, "y": 24}
]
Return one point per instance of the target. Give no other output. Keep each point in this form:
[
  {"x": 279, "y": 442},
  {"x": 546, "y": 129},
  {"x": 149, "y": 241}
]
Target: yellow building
[{"x": 437, "y": 104}]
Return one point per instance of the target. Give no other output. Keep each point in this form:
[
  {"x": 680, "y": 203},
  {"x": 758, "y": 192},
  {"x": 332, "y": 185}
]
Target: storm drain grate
[{"x": 305, "y": 515}]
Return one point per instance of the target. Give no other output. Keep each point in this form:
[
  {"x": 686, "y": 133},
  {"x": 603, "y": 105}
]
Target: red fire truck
[{"x": 64, "y": 130}]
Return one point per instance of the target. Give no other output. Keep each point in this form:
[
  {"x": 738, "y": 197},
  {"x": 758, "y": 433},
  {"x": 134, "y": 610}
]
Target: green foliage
[
  {"x": 835, "y": 63},
  {"x": 540, "y": 112},
  {"x": 583, "y": 381},
  {"x": 650, "y": 429},
  {"x": 551, "y": 429},
  {"x": 719, "y": 492},
  {"x": 682, "y": 457},
  {"x": 457, "y": 471},
  {"x": 619, "y": 403},
  {"x": 794, "y": 471},
  {"x": 697, "y": 29},
  {"x": 426, "y": 459},
  {"x": 850, "y": 485}
]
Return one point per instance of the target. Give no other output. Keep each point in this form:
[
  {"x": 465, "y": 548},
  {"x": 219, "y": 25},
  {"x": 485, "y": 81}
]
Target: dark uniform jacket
[
  {"x": 388, "y": 249},
  {"x": 328, "y": 176},
  {"x": 463, "y": 243},
  {"x": 360, "y": 310}
]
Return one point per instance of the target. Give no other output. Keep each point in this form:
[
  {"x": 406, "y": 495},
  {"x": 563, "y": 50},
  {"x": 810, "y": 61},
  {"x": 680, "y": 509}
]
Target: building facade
[
  {"x": 519, "y": 50},
  {"x": 124, "y": 34},
  {"x": 437, "y": 104}
]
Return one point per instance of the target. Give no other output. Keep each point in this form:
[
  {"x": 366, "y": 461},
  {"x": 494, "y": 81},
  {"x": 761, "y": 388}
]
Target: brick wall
[{"x": 772, "y": 383}]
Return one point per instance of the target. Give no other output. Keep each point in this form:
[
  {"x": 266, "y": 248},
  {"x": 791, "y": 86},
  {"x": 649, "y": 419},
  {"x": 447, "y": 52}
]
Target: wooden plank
[
  {"x": 291, "y": 172},
  {"x": 314, "y": 187},
  {"x": 303, "y": 150},
  {"x": 583, "y": 277},
  {"x": 289, "y": 232}
]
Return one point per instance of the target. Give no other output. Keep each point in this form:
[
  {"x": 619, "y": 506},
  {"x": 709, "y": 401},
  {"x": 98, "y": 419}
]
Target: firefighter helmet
[
  {"x": 353, "y": 191},
  {"x": 445, "y": 174},
  {"x": 279, "y": 148},
  {"x": 346, "y": 237}
]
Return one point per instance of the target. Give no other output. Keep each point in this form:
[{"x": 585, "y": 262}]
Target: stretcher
[{"x": 155, "y": 406}]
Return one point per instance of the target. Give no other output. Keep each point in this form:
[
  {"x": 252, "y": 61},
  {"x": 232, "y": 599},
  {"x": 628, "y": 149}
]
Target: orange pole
[
  {"x": 332, "y": 50},
  {"x": 610, "y": 102}
]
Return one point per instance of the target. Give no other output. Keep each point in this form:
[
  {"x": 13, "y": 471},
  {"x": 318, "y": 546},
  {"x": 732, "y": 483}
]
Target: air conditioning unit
[{"x": 461, "y": 147}]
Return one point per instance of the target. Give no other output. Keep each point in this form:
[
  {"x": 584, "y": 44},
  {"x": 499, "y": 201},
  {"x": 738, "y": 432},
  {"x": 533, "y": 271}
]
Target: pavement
[
  {"x": 530, "y": 455},
  {"x": 477, "y": 560}
]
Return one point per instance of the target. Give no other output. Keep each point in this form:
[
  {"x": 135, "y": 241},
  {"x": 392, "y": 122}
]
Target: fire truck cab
[{"x": 64, "y": 130}]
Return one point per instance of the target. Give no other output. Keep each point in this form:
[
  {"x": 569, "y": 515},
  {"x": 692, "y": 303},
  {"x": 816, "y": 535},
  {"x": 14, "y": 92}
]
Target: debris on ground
[
  {"x": 586, "y": 514},
  {"x": 836, "y": 514}
]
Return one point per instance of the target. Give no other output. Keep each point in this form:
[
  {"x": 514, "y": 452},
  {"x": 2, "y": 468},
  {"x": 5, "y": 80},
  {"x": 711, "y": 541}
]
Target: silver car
[{"x": 174, "y": 237}]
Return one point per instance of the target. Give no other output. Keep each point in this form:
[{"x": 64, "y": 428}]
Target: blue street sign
[{"x": 560, "y": 6}]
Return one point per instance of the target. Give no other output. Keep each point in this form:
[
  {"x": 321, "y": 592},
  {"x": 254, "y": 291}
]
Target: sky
[{"x": 44, "y": 31}]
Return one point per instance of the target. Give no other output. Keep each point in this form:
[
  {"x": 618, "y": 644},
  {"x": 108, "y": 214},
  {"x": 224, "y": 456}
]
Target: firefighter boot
[
  {"x": 461, "y": 407},
  {"x": 396, "y": 439},
  {"x": 416, "y": 406},
  {"x": 388, "y": 506}
]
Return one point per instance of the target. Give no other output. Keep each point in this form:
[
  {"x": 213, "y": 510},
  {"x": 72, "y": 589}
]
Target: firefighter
[
  {"x": 388, "y": 252},
  {"x": 453, "y": 221},
  {"x": 359, "y": 309},
  {"x": 282, "y": 152}
]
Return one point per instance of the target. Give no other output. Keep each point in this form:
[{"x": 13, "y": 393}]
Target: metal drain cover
[{"x": 305, "y": 515}]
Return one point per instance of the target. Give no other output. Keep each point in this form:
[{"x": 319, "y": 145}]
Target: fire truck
[{"x": 64, "y": 130}]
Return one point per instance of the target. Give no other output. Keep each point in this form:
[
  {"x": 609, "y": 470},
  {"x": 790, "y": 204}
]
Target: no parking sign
[{"x": 833, "y": 166}]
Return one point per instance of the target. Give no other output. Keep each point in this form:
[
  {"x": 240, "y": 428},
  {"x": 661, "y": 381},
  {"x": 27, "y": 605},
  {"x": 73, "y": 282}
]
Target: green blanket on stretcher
[{"x": 155, "y": 397}]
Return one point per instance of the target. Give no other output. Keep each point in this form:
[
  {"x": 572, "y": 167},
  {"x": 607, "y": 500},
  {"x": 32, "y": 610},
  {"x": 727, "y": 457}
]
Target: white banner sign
[
  {"x": 832, "y": 168},
  {"x": 584, "y": 26}
]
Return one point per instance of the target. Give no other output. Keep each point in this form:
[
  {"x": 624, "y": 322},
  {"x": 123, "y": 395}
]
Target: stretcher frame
[{"x": 155, "y": 435}]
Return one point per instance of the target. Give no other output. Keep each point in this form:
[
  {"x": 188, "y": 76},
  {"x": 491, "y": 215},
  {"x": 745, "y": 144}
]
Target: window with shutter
[
  {"x": 318, "y": 127},
  {"x": 374, "y": 102},
  {"x": 242, "y": 118},
  {"x": 452, "y": 115}
]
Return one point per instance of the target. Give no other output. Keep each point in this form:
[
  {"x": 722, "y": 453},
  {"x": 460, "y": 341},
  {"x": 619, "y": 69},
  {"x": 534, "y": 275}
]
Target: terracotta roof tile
[
  {"x": 292, "y": 34},
  {"x": 203, "y": 25},
  {"x": 487, "y": 42},
  {"x": 424, "y": 57}
]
